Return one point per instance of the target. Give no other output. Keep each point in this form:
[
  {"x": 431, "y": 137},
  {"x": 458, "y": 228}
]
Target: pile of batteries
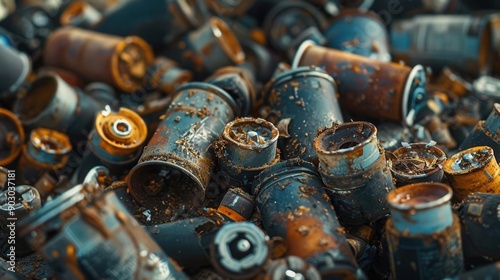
[{"x": 249, "y": 139}]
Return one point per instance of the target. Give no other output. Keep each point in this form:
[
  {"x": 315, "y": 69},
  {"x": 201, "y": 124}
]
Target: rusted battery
[
  {"x": 367, "y": 87},
  {"x": 472, "y": 170},
  {"x": 417, "y": 163},
  {"x": 423, "y": 233},
  {"x": 15, "y": 204},
  {"x": 247, "y": 146},
  {"x": 360, "y": 32},
  {"x": 230, "y": 8},
  {"x": 287, "y": 20},
  {"x": 164, "y": 75},
  {"x": 480, "y": 221},
  {"x": 485, "y": 133},
  {"x": 160, "y": 23},
  {"x": 426, "y": 40},
  {"x": 80, "y": 14},
  {"x": 355, "y": 173},
  {"x": 299, "y": 102},
  {"x": 236, "y": 205},
  {"x": 178, "y": 162},
  {"x": 52, "y": 103},
  {"x": 15, "y": 69},
  {"x": 84, "y": 233},
  {"x": 121, "y": 62},
  {"x": 115, "y": 142},
  {"x": 207, "y": 49},
  {"x": 45, "y": 150},
  {"x": 11, "y": 137},
  {"x": 294, "y": 206}
]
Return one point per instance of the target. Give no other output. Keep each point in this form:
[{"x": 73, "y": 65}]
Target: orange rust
[
  {"x": 451, "y": 81},
  {"x": 233, "y": 215}
]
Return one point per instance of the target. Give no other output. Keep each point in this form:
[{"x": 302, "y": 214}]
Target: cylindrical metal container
[
  {"x": 367, "y": 87},
  {"x": 299, "y": 102},
  {"x": 80, "y": 14},
  {"x": 14, "y": 71},
  {"x": 46, "y": 150},
  {"x": 15, "y": 204},
  {"x": 11, "y": 137},
  {"x": 417, "y": 163},
  {"x": 423, "y": 234},
  {"x": 86, "y": 234},
  {"x": 97, "y": 57},
  {"x": 177, "y": 162},
  {"x": 480, "y": 218},
  {"x": 360, "y": 32},
  {"x": 473, "y": 170},
  {"x": 485, "y": 133},
  {"x": 116, "y": 142},
  {"x": 427, "y": 40},
  {"x": 160, "y": 23},
  {"x": 294, "y": 206},
  {"x": 236, "y": 205},
  {"x": 165, "y": 76},
  {"x": 207, "y": 49},
  {"x": 69, "y": 77},
  {"x": 246, "y": 147},
  {"x": 355, "y": 172}
]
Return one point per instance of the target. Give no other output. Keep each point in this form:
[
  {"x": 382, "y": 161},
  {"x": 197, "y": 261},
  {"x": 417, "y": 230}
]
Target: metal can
[
  {"x": 485, "y": 133},
  {"x": 471, "y": 51},
  {"x": 367, "y": 87},
  {"x": 164, "y": 75},
  {"x": 80, "y": 14},
  {"x": 246, "y": 147},
  {"x": 294, "y": 206},
  {"x": 118, "y": 61},
  {"x": 417, "y": 163},
  {"x": 207, "y": 49},
  {"x": 14, "y": 71},
  {"x": 236, "y": 205},
  {"x": 84, "y": 233},
  {"x": 355, "y": 173},
  {"x": 46, "y": 150},
  {"x": 160, "y": 23},
  {"x": 69, "y": 77},
  {"x": 480, "y": 219},
  {"x": 299, "y": 102},
  {"x": 12, "y": 137},
  {"x": 423, "y": 234},
  {"x": 15, "y": 204},
  {"x": 360, "y": 32},
  {"x": 178, "y": 162},
  {"x": 473, "y": 170}
]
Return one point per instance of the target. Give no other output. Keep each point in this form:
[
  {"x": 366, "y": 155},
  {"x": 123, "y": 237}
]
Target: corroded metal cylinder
[
  {"x": 473, "y": 170},
  {"x": 294, "y": 206},
  {"x": 417, "y": 163},
  {"x": 178, "y": 162},
  {"x": 80, "y": 14},
  {"x": 118, "y": 61},
  {"x": 367, "y": 87},
  {"x": 355, "y": 173},
  {"x": 11, "y": 137},
  {"x": 236, "y": 205},
  {"x": 247, "y": 146},
  {"x": 165, "y": 76},
  {"x": 299, "y": 102},
  {"x": 423, "y": 234}
]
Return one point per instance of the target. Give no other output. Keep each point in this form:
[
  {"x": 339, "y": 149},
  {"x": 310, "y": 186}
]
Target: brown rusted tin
[{"x": 121, "y": 62}]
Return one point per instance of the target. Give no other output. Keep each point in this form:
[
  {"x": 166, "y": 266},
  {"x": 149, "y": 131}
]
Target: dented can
[
  {"x": 118, "y": 61},
  {"x": 46, "y": 150},
  {"x": 14, "y": 71},
  {"x": 426, "y": 40},
  {"x": 165, "y": 76},
  {"x": 160, "y": 23},
  {"x": 417, "y": 163},
  {"x": 236, "y": 205},
  {"x": 473, "y": 170},
  {"x": 367, "y": 87},
  {"x": 178, "y": 161},
  {"x": 14, "y": 206},
  {"x": 247, "y": 146},
  {"x": 360, "y": 32},
  {"x": 480, "y": 221},
  {"x": 299, "y": 102},
  {"x": 11, "y": 137},
  {"x": 294, "y": 206},
  {"x": 485, "y": 133},
  {"x": 85, "y": 233},
  {"x": 423, "y": 234},
  {"x": 207, "y": 49},
  {"x": 355, "y": 173}
]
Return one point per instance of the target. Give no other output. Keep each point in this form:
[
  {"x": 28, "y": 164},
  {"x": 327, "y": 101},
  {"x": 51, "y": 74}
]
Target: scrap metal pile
[{"x": 256, "y": 139}]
